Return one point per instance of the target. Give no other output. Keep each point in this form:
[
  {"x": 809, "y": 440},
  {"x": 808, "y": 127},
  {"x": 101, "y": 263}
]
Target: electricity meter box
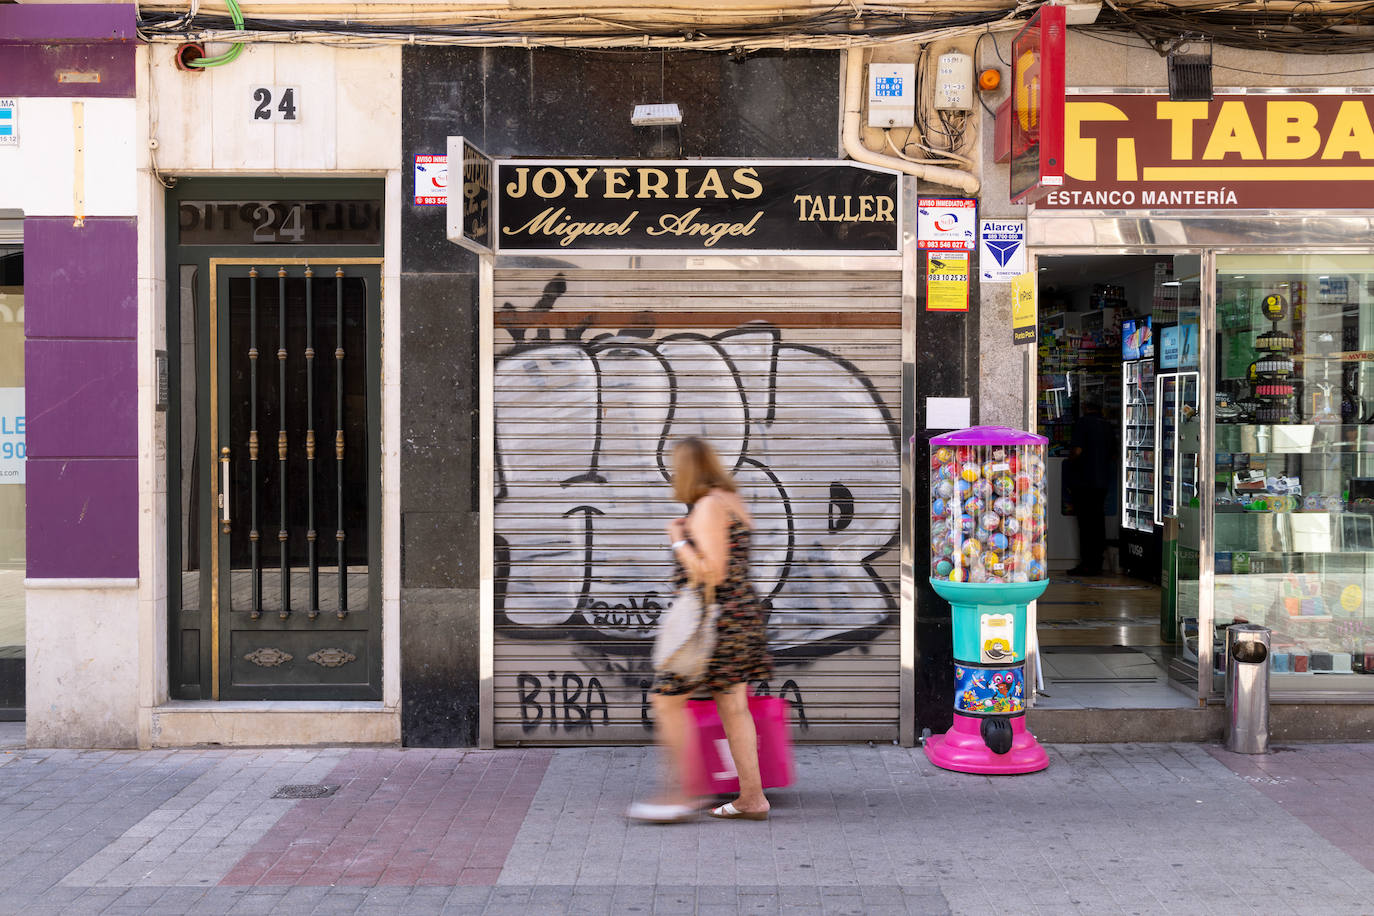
[
  {"x": 987, "y": 559},
  {"x": 891, "y": 95},
  {"x": 954, "y": 82}
]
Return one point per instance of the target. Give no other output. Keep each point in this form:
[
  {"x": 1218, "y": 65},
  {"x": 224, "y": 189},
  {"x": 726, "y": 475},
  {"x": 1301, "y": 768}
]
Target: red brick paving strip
[
  {"x": 1326, "y": 786},
  {"x": 402, "y": 817}
]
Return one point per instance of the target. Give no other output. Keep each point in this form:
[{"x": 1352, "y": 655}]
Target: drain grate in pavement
[{"x": 305, "y": 791}]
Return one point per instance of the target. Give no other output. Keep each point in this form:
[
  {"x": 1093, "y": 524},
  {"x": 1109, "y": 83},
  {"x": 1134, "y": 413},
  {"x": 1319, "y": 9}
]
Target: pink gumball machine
[{"x": 987, "y": 559}]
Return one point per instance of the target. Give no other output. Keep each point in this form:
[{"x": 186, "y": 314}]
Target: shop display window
[
  {"x": 1294, "y": 463},
  {"x": 12, "y": 452}
]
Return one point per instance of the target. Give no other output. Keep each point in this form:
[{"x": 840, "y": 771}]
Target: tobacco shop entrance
[
  {"x": 1117, "y": 389},
  {"x": 1229, "y": 328}
]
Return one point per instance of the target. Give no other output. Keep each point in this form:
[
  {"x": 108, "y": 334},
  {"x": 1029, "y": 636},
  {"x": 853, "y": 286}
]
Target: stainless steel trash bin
[{"x": 1247, "y": 688}]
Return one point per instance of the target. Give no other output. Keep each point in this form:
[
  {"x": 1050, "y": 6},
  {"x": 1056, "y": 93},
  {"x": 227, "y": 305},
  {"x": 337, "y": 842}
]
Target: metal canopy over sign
[
  {"x": 1037, "y": 106},
  {"x": 701, "y": 206},
  {"x": 470, "y": 206},
  {"x": 1262, "y": 151}
]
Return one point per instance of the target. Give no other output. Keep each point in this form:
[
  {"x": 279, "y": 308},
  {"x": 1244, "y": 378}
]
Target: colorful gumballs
[
  {"x": 1004, "y": 505},
  {"x": 990, "y": 521},
  {"x": 1019, "y": 576},
  {"x": 962, "y": 487},
  {"x": 973, "y": 506},
  {"x": 956, "y": 574},
  {"x": 944, "y": 455},
  {"x": 946, "y": 472},
  {"x": 943, "y": 568},
  {"x": 1035, "y": 571},
  {"x": 966, "y": 524},
  {"x": 1011, "y": 526},
  {"x": 938, "y": 507},
  {"x": 970, "y": 472},
  {"x": 946, "y": 548},
  {"x": 1003, "y": 485},
  {"x": 998, "y": 541},
  {"x": 977, "y": 575},
  {"x": 983, "y": 488},
  {"x": 991, "y": 560}
]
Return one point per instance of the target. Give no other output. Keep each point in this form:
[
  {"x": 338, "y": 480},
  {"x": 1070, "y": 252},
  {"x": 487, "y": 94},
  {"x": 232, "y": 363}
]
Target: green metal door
[{"x": 293, "y": 429}]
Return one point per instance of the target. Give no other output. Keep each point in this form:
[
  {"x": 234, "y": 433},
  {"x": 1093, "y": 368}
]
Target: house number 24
[{"x": 277, "y": 104}]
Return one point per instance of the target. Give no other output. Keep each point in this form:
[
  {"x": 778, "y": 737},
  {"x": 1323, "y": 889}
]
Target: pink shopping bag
[{"x": 714, "y": 773}]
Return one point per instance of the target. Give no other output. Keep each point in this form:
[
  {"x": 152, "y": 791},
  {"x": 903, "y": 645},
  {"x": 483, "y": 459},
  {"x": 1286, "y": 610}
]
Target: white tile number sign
[{"x": 275, "y": 104}]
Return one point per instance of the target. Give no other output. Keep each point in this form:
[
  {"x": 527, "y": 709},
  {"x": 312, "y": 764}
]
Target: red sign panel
[
  {"x": 1235, "y": 152},
  {"x": 1037, "y": 106}
]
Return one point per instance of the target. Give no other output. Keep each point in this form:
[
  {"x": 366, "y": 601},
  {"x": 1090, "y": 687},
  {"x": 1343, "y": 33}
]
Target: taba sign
[
  {"x": 1037, "y": 105},
  {"x": 470, "y": 206},
  {"x": 705, "y": 207},
  {"x": 1236, "y": 152},
  {"x": 947, "y": 281},
  {"x": 1023, "y": 292}
]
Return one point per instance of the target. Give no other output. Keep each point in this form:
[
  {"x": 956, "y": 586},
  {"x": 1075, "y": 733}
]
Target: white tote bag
[{"x": 686, "y": 636}]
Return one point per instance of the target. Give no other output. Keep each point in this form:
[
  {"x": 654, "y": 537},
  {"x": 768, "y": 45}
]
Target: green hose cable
[{"x": 234, "y": 50}]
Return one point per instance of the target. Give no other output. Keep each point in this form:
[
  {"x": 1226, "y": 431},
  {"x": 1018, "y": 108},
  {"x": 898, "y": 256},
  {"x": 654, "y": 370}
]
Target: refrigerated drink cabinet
[{"x": 1139, "y": 542}]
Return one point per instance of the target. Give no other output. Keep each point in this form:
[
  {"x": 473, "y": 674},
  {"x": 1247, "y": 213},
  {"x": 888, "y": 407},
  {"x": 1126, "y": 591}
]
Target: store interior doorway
[{"x": 1112, "y": 627}]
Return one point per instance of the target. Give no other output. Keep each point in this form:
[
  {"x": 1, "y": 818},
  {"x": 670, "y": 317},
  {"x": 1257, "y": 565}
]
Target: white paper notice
[{"x": 947, "y": 413}]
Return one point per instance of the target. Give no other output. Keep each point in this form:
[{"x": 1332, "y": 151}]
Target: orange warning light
[{"x": 989, "y": 80}]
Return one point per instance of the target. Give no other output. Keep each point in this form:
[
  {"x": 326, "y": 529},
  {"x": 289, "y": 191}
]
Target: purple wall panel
[
  {"x": 81, "y": 398},
  {"x": 81, "y": 282},
  {"x": 33, "y": 70},
  {"x": 68, "y": 22},
  {"x": 82, "y": 518}
]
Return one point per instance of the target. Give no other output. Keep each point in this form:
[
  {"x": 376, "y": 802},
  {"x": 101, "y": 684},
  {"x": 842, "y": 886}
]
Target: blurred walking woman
[{"x": 712, "y": 545}]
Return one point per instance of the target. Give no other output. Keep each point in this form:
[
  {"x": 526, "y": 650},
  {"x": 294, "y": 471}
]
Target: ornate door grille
[{"x": 296, "y": 602}]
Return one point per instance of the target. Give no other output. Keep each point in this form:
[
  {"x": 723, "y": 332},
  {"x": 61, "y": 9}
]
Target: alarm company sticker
[
  {"x": 9, "y": 122},
  {"x": 946, "y": 224},
  {"x": 1001, "y": 249},
  {"x": 431, "y": 180}
]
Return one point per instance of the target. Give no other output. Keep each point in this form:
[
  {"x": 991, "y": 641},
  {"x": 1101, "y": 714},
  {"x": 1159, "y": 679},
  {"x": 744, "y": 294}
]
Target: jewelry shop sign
[
  {"x": 1238, "y": 151},
  {"x": 699, "y": 206}
]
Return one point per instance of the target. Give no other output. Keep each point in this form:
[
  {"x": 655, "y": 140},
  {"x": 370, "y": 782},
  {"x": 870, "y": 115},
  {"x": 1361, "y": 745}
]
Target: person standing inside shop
[{"x": 1090, "y": 479}]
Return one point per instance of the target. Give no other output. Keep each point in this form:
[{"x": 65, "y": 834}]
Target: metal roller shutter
[{"x": 795, "y": 378}]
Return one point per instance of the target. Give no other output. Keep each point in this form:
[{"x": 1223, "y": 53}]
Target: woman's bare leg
[
  {"x": 673, "y": 732},
  {"x": 733, "y": 706}
]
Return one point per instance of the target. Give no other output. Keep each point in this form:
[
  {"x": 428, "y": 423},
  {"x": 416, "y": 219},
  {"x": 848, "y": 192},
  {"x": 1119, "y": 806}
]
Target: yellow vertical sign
[{"x": 1023, "y": 289}]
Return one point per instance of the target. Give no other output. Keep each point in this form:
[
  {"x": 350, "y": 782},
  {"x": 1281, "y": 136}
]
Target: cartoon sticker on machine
[{"x": 996, "y": 638}]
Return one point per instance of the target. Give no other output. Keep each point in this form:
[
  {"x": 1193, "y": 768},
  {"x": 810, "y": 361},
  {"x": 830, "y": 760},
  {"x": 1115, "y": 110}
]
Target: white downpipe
[{"x": 854, "y": 145}]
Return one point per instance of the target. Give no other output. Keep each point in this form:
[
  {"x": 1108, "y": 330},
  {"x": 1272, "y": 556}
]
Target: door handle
[{"x": 224, "y": 489}]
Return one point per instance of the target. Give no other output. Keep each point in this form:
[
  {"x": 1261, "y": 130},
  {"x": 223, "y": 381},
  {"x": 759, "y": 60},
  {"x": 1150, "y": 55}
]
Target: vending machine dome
[{"x": 987, "y": 506}]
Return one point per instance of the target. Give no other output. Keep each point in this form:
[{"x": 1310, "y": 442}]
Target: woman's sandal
[
  {"x": 651, "y": 813},
  {"x": 729, "y": 812}
]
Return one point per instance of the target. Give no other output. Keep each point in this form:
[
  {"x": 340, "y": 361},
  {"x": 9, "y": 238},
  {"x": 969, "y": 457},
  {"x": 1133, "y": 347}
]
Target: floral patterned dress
[{"x": 741, "y": 629}]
